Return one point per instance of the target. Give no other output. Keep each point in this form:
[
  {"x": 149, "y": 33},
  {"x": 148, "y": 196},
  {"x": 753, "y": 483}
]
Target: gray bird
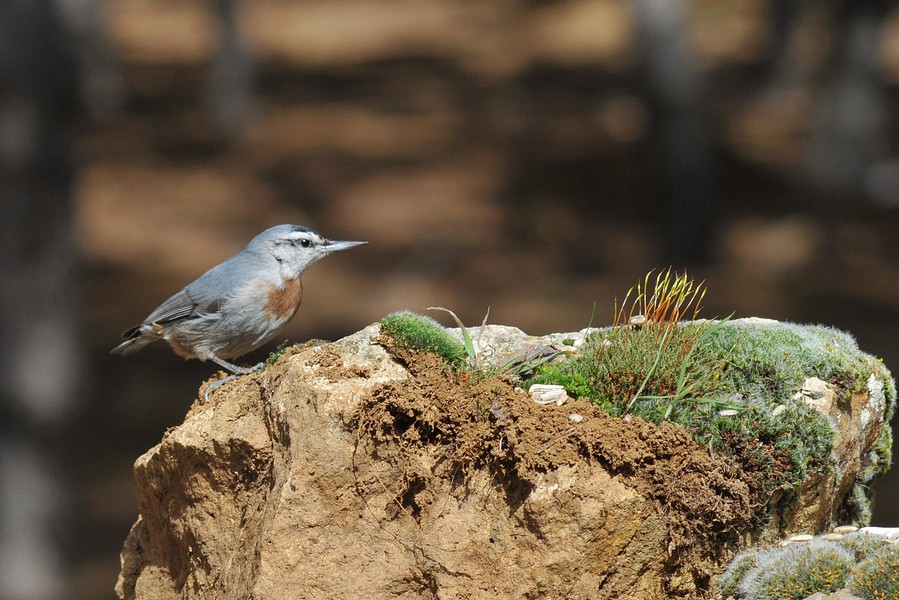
[{"x": 238, "y": 305}]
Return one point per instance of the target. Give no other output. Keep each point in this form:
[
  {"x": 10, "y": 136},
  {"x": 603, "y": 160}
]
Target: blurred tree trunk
[
  {"x": 677, "y": 91},
  {"x": 39, "y": 296}
]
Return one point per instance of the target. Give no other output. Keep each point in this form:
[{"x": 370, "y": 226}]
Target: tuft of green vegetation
[
  {"x": 797, "y": 571},
  {"x": 418, "y": 332},
  {"x": 889, "y": 390},
  {"x": 769, "y": 360},
  {"x": 281, "y": 351},
  {"x": 649, "y": 362},
  {"x": 470, "y": 351},
  {"x": 274, "y": 356},
  {"x": 877, "y": 576},
  {"x": 733, "y": 384},
  {"x": 737, "y": 386},
  {"x": 740, "y": 565},
  {"x": 862, "y": 545}
]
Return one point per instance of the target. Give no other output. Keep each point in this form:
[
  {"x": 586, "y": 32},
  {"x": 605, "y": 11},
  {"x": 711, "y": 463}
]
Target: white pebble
[
  {"x": 890, "y": 533},
  {"x": 778, "y": 409},
  {"x": 543, "y": 393},
  {"x": 845, "y": 529},
  {"x": 802, "y": 537},
  {"x": 728, "y": 412},
  {"x": 575, "y": 417}
]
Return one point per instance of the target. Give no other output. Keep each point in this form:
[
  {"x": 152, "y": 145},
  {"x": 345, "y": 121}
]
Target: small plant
[
  {"x": 861, "y": 544},
  {"x": 797, "y": 571},
  {"x": 730, "y": 580},
  {"x": 470, "y": 351},
  {"x": 418, "y": 332},
  {"x": 650, "y": 361},
  {"x": 877, "y": 577},
  {"x": 865, "y": 563},
  {"x": 721, "y": 380},
  {"x": 274, "y": 356},
  {"x": 658, "y": 315}
]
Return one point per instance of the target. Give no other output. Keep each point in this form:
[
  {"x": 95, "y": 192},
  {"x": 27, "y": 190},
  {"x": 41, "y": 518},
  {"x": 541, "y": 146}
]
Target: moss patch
[
  {"x": 732, "y": 384},
  {"x": 418, "y": 332}
]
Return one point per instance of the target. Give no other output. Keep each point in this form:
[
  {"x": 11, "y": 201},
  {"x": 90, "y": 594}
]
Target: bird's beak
[{"x": 334, "y": 246}]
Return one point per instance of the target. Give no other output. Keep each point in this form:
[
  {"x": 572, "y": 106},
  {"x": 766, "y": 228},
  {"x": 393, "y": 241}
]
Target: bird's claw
[{"x": 243, "y": 371}]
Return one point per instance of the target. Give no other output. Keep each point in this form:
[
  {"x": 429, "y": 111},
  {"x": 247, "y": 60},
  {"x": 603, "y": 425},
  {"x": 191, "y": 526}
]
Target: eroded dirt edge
[{"x": 456, "y": 423}]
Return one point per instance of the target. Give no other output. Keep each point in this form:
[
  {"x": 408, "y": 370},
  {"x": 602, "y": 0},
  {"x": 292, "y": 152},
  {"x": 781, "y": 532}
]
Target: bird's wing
[
  {"x": 204, "y": 296},
  {"x": 178, "y": 306}
]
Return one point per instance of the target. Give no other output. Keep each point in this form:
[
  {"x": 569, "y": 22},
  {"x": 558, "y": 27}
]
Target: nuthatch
[{"x": 239, "y": 305}]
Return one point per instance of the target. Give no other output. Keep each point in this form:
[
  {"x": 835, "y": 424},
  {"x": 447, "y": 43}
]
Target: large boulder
[{"x": 346, "y": 470}]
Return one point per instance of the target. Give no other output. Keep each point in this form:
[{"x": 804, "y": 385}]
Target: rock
[{"x": 344, "y": 471}]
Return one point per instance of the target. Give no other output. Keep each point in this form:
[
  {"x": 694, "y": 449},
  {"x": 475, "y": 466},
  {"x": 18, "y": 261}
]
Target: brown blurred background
[{"x": 535, "y": 158}]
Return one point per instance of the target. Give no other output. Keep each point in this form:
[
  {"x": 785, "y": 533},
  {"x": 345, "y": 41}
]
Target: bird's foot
[
  {"x": 234, "y": 368},
  {"x": 216, "y": 384},
  {"x": 235, "y": 373}
]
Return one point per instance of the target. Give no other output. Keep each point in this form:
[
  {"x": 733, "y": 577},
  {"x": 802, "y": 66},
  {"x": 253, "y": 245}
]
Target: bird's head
[{"x": 296, "y": 247}]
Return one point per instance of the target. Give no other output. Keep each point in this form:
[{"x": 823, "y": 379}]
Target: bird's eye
[{"x": 305, "y": 243}]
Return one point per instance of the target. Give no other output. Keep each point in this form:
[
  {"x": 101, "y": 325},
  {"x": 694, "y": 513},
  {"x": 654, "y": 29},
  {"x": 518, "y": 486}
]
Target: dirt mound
[
  {"x": 344, "y": 471},
  {"x": 437, "y": 426}
]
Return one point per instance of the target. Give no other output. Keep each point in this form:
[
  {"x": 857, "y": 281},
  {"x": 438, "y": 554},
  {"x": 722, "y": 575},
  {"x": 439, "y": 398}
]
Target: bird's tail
[{"x": 135, "y": 338}]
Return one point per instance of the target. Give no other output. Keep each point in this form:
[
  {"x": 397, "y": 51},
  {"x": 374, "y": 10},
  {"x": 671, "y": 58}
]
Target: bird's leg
[
  {"x": 234, "y": 368},
  {"x": 216, "y": 384},
  {"x": 235, "y": 373}
]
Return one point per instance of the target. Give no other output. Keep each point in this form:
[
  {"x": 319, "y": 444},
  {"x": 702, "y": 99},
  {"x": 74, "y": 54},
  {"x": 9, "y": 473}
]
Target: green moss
[
  {"x": 690, "y": 373},
  {"x": 768, "y": 360},
  {"x": 614, "y": 369},
  {"x": 703, "y": 368},
  {"x": 879, "y": 458},
  {"x": 877, "y": 577},
  {"x": 418, "y": 332},
  {"x": 889, "y": 390}
]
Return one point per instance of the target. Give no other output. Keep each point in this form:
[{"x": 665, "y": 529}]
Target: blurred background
[{"x": 533, "y": 157}]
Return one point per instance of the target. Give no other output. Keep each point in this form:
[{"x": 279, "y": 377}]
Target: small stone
[
  {"x": 802, "y": 537},
  {"x": 728, "y": 412},
  {"x": 575, "y": 417},
  {"x": 845, "y": 529},
  {"x": 543, "y": 393},
  {"x": 890, "y": 533},
  {"x": 833, "y": 537},
  {"x": 778, "y": 409}
]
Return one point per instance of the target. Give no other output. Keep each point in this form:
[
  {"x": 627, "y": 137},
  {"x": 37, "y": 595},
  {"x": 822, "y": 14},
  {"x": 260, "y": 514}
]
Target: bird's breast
[{"x": 283, "y": 301}]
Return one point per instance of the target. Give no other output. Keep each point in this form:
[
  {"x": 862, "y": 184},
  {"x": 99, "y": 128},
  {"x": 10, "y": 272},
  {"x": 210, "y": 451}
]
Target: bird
[{"x": 238, "y": 305}]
